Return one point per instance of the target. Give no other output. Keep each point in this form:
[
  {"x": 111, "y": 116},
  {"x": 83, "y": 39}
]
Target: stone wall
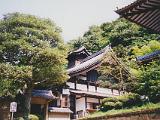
[{"x": 138, "y": 115}]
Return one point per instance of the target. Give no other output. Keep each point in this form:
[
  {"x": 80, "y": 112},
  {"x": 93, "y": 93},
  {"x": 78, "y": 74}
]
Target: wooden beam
[{"x": 38, "y": 100}]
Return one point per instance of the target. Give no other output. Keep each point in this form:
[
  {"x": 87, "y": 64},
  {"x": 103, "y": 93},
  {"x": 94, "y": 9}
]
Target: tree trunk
[{"x": 27, "y": 102}]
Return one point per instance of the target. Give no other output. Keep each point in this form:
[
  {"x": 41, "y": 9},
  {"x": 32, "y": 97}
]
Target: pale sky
[{"x": 73, "y": 16}]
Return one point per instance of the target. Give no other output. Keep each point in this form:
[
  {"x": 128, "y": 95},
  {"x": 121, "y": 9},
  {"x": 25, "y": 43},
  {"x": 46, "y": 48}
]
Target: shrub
[
  {"x": 118, "y": 105},
  {"x": 125, "y": 101},
  {"x": 109, "y": 105},
  {"x": 33, "y": 117},
  {"x": 130, "y": 99},
  {"x": 20, "y": 118},
  {"x": 111, "y": 99}
]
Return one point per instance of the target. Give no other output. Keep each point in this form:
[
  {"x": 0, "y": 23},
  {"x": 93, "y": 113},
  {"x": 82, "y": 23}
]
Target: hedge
[{"x": 125, "y": 101}]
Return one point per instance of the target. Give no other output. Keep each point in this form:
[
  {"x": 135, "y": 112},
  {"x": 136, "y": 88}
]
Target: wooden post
[
  {"x": 86, "y": 102},
  {"x": 85, "y": 112},
  {"x": 75, "y": 84},
  {"x": 87, "y": 86},
  {"x": 46, "y": 110},
  {"x": 68, "y": 101},
  {"x": 12, "y": 116},
  {"x": 61, "y": 97},
  {"x": 96, "y": 87},
  {"x": 99, "y": 101},
  {"x": 75, "y": 110}
]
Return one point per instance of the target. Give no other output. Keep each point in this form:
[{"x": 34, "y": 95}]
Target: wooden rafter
[{"x": 143, "y": 12}]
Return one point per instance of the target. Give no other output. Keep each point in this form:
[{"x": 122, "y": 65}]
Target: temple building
[
  {"x": 79, "y": 96},
  {"x": 82, "y": 94}
]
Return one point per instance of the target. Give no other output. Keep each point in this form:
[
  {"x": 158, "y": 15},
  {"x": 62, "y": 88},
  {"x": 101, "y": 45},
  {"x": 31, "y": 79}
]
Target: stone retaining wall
[{"x": 138, "y": 115}]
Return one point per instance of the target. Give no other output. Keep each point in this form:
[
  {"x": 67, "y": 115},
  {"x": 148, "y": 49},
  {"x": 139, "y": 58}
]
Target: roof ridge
[
  {"x": 148, "y": 56},
  {"x": 95, "y": 54},
  {"x": 89, "y": 63},
  {"x": 79, "y": 50}
]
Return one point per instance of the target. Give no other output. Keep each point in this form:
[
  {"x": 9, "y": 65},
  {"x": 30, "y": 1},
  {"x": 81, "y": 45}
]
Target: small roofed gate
[{"x": 39, "y": 102}]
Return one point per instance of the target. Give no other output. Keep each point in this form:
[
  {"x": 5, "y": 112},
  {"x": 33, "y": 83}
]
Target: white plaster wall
[
  {"x": 104, "y": 90},
  {"x": 92, "y": 88},
  {"x": 65, "y": 92},
  {"x": 59, "y": 116},
  {"x": 80, "y": 104},
  {"x": 92, "y": 100},
  {"x": 82, "y": 77},
  {"x": 115, "y": 92},
  {"x": 82, "y": 87},
  {"x": 107, "y": 91},
  {"x": 71, "y": 85}
]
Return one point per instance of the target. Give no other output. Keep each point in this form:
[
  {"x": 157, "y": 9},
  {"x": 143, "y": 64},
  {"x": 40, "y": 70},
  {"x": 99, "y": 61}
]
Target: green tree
[
  {"x": 121, "y": 34},
  {"x": 149, "y": 81},
  {"x": 31, "y": 52},
  {"x": 151, "y": 46},
  {"x": 92, "y": 40},
  {"x": 114, "y": 73},
  {"x": 125, "y": 38}
]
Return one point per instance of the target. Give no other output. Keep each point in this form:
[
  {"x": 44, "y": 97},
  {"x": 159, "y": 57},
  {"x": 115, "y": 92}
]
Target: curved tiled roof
[
  {"x": 81, "y": 49},
  {"x": 46, "y": 94},
  {"x": 149, "y": 57},
  {"x": 59, "y": 110},
  {"x": 143, "y": 12},
  {"x": 89, "y": 93},
  {"x": 88, "y": 63}
]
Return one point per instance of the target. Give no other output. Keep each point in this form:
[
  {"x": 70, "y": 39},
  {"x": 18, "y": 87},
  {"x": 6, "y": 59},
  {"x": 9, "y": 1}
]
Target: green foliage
[
  {"x": 119, "y": 33},
  {"x": 148, "y": 75},
  {"x": 102, "y": 82},
  {"x": 33, "y": 48},
  {"x": 152, "y": 46},
  {"x": 149, "y": 82},
  {"x": 125, "y": 101},
  {"x": 135, "y": 72},
  {"x": 93, "y": 40},
  {"x": 130, "y": 100},
  {"x": 31, "y": 117},
  {"x": 126, "y": 39},
  {"x": 20, "y": 118},
  {"x": 32, "y": 53},
  {"x": 119, "y": 112},
  {"x": 110, "y": 99},
  {"x": 114, "y": 73}
]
